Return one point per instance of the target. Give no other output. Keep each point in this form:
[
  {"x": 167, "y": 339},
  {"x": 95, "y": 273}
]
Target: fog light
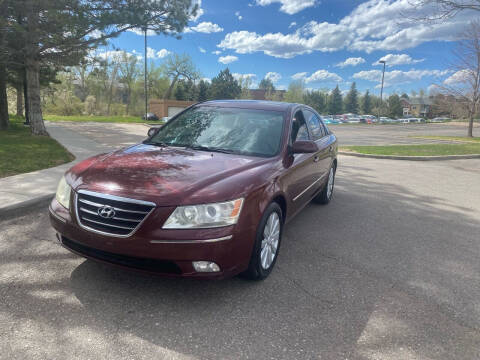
[{"x": 205, "y": 266}]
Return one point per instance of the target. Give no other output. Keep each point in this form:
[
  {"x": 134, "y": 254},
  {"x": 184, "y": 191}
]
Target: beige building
[{"x": 163, "y": 108}]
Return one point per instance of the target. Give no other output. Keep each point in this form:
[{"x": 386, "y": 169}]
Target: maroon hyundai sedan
[{"x": 206, "y": 195}]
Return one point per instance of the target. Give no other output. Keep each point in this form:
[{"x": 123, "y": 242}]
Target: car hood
[{"x": 167, "y": 176}]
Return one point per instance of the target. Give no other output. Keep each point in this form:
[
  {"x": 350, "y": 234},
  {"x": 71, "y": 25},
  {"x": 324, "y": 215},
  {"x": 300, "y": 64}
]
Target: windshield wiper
[
  {"x": 156, "y": 143},
  {"x": 207, "y": 148}
]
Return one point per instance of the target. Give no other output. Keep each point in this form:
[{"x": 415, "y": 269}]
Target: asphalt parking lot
[
  {"x": 389, "y": 270},
  {"x": 361, "y": 134}
]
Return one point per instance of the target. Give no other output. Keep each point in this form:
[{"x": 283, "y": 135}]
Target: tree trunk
[
  {"x": 470, "y": 124},
  {"x": 170, "y": 88},
  {"x": 3, "y": 98},
  {"x": 34, "y": 105},
  {"x": 19, "y": 91}
]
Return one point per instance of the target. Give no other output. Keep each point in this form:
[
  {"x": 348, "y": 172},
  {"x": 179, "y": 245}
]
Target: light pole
[
  {"x": 381, "y": 89},
  {"x": 145, "y": 80}
]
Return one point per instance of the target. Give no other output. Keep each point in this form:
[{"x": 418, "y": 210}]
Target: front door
[{"x": 302, "y": 174}]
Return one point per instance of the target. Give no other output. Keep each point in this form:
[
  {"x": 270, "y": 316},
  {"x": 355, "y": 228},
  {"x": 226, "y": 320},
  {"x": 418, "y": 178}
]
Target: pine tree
[
  {"x": 224, "y": 86},
  {"x": 181, "y": 92},
  {"x": 335, "y": 102},
  {"x": 203, "y": 88},
  {"x": 351, "y": 100},
  {"x": 367, "y": 103},
  {"x": 267, "y": 84}
]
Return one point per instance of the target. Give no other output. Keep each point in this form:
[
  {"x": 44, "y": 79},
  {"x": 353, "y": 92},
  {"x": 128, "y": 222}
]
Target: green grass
[
  {"x": 21, "y": 152},
  {"x": 448, "y": 138},
  {"x": 103, "y": 119},
  {"x": 417, "y": 150}
]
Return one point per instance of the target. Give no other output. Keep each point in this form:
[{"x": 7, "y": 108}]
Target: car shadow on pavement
[{"x": 381, "y": 272}]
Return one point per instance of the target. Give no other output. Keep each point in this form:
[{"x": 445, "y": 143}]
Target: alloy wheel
[{"x": 271, "y": 238}]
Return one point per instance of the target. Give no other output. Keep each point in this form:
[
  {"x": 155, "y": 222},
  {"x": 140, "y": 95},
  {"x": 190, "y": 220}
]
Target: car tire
[
  {"x": 262, "y": 259},
  {"x": 326, "y": 194}
]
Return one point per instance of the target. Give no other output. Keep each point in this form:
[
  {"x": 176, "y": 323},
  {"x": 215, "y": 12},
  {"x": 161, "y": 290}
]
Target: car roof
[{"x": 251, "y": 104}]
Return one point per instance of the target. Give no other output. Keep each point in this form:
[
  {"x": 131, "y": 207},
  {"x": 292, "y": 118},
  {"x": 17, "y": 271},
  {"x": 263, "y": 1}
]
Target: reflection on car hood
[{"x": 166, "y": 176}]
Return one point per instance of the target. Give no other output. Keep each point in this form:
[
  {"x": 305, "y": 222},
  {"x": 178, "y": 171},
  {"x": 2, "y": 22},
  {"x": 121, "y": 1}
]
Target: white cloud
[
  {"x": 372, "y": 25},
  {"x": 202, "y": 50},
  {"x": 353, "y": 61},
  {"x": 292, "y": 24},
  {"x": 151, "y": 53},
  {"x": 323, "y": 75},
  {"x": 397, "y": 77},
  {"x": 139, "y": 31},
  {"x": 274, "y": 76},
  {"x": 299, "y": 76},
  {"x": 95, "y": 34},
  {"x": 237, "y": 14},
  {"x": 239, "y": 76},
  {"x": 397, "y": 59},
  {"x": 459, "y": 77},
  {"x": 216, "y": 52},
  {"x": 227, "y": 59},
  {"x": 289, "y": 6},
  {"x": 162, "y": 53},
  {"x": 206, "y": 27},
  {"x": 328, "y": 38},
  {"x": 115, "y": 54}
]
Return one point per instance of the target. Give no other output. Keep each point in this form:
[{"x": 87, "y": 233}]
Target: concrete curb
[
  {"x": 412, "y": 158},
  {"x": 26, "y": 206}
]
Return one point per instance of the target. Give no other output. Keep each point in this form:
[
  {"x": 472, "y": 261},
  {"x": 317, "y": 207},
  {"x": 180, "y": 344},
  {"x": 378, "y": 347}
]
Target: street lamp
[
  {"x": 381, "y": 90},
  {"x": 145, "y": 80}
]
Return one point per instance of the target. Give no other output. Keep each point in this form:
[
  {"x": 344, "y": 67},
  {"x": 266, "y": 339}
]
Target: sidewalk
[{"x": 24, "y": 189}]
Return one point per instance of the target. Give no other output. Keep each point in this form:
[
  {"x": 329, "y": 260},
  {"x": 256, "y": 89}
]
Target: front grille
[
  {"x": 151, "y": 265},
  {"x": 126, "y": 217}
]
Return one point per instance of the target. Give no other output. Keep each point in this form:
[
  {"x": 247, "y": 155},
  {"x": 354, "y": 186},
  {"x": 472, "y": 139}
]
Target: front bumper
[{"x": 156, "y": 250}]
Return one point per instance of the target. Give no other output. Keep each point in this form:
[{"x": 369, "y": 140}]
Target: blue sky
[{"x": 322, "y": 42}]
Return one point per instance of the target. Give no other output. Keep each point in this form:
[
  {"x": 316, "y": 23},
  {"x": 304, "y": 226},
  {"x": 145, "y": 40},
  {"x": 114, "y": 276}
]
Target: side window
[
  {"x": 325, "y": 128},
  {"x": 314, "y": 124},
  {"x": 299, "y": 128}
]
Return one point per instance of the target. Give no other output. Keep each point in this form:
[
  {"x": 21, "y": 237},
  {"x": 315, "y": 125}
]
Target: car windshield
[{"x": 229, "y": 130}]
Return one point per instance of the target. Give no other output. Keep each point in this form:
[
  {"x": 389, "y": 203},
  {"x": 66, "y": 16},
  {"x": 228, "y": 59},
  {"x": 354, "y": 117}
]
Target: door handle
[{"x": 316, "y": 158}]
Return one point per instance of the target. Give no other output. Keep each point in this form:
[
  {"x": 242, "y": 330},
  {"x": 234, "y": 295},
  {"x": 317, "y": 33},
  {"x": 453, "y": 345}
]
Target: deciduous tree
[
  {"x": 60, "y": 32},
  {"x": 464, "y": 84},
  {"x": 179, "y": 66}
]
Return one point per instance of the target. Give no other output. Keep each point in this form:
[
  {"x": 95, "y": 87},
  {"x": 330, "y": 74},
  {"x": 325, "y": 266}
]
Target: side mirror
[
  {"x": 152, "y": 131},
  {"x": 304, "y": 147}
]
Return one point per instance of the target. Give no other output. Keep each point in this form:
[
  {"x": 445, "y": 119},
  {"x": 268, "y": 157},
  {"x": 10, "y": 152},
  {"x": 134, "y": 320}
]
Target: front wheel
[
  {"x": 267, "y": 243},
  {"x": 326, "y": 195}
]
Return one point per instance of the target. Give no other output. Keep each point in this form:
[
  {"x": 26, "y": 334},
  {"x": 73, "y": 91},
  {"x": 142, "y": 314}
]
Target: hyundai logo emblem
[{"x": 106, "y": 212}]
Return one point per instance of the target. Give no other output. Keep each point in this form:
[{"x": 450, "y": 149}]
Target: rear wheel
[
  {"x": 267, "y": 243},
  {"x": 326, "y": 195}
]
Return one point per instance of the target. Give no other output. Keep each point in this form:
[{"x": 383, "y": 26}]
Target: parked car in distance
[
  {"x": 385, "y": 120},
  {"x": 439, "y": 119},
  {"x": 150, "y": 117},
  {"x": 330, "y": 120},
  {"x": 206, "y": 195}
]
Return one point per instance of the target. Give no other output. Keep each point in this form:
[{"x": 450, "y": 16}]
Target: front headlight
[
  {"x": 205, "y": 216},
  {"x": 63, "y": 193}
]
